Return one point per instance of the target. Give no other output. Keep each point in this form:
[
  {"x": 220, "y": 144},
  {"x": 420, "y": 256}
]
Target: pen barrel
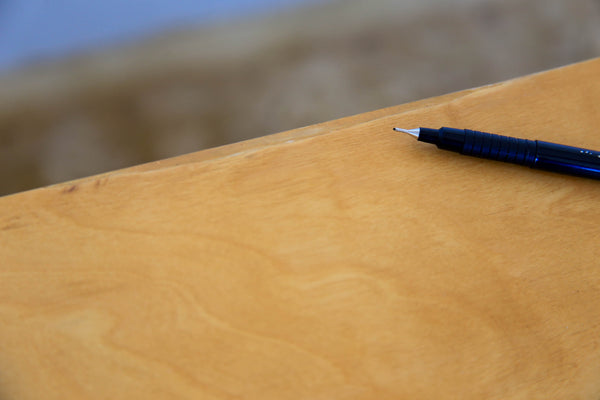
[
  {"x": 534, "y": 153},
  {"x": 498, "y": 147},
  {"x": 567, "y": 160}
]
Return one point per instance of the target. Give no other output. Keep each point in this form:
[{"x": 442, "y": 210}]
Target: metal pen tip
[{"x": 413, "y": 132}]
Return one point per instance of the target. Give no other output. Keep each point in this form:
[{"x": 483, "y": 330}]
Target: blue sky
[{"x": 35, "y": 29}]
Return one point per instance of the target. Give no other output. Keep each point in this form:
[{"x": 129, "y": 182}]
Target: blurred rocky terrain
[{"x": 183, "y": 91}]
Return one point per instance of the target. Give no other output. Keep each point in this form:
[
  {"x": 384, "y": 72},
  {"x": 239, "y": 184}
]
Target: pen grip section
[{"x": 498, "y": 147}]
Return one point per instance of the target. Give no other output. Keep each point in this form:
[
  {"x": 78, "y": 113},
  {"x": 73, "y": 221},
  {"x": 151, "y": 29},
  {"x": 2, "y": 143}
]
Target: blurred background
[{"x": 88, "y": 86}]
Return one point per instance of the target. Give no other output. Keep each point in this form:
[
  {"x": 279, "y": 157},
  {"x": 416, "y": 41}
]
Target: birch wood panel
[{"x": 339, "y": 261}]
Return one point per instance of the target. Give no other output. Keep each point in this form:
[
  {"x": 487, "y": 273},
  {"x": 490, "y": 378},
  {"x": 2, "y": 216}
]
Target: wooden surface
[{"x": 340, "y": 261}]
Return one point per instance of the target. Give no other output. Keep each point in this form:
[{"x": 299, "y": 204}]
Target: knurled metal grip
[{"x": 498, "y": 147}]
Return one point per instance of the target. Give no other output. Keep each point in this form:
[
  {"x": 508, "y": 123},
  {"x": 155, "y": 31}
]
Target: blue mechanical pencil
[{"x": 533, "y": 153}]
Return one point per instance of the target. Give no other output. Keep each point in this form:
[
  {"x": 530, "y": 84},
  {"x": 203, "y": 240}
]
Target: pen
[{"x": 533, "y": 153}]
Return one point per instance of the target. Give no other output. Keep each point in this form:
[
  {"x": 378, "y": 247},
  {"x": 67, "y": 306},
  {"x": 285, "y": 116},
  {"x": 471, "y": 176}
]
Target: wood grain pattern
[{"x": 340, "y": 261}]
